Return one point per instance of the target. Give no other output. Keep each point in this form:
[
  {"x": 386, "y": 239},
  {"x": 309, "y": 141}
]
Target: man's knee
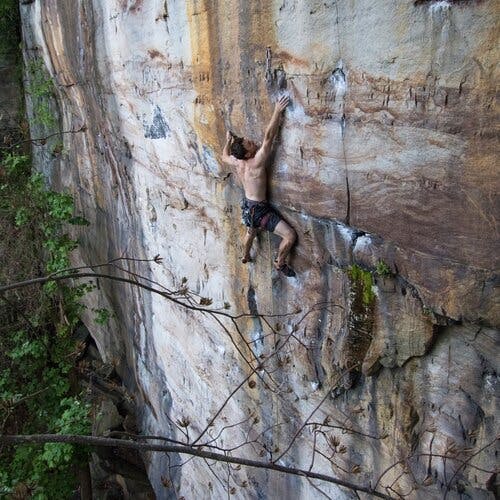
[{"x": 290, "y": 236}]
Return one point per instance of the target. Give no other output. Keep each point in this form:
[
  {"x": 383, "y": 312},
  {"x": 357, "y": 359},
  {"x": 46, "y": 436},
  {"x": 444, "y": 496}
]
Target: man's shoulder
[{"x": 255, "y": 162}]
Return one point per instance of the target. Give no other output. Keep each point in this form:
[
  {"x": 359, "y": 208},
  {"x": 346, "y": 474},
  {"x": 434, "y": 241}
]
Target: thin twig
[
  {"x": 211, "y": 421},
  {"x": 449, "y": 457},
  {"x": 43, "y": 140},
  {"x": 301, "y": 428}
]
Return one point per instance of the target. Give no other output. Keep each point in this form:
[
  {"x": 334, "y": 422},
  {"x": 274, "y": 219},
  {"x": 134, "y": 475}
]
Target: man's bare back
[
  {"x": 253, "y": 176},
  {"x": 250, "y": 161}
]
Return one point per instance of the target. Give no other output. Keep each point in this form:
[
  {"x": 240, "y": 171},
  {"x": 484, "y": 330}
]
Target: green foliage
[
  {"x": 16, "y": 164},
  {"x": 22, "y": 216},
  {"x": 362, "y": 281},
  {"x": 74, "y": 417},
  {"x": 41, "y": 88},
  {"x": 57, "y": 149},
  {"x": 383, "y": 269},
  {"x": 26, "y": 349},
  {"x": 38, "y": 352},
  {"x": 427, "y": 311},
  {"x": 46, "y": 211},
  {"x": 79, "y": 221},
  {"x": 102, "y": 316},
  {"x": 47, "y": 469}
]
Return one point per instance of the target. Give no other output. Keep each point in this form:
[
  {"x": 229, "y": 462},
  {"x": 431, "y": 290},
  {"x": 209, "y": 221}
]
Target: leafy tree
[{"x": 39, "y": 351}]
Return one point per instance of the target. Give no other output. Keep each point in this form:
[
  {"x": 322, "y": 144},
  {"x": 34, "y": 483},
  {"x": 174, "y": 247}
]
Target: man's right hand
[
  {"x": 282, "y": 103},
  {"x": 226, "y": 153}
]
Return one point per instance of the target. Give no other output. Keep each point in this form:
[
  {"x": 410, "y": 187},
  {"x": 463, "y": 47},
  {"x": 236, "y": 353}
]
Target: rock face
[{"x": 386, "y": 169}]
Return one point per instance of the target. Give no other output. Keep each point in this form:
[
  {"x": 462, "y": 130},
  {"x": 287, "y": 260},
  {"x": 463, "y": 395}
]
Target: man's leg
[
  {"x": 247, "y": 244},
  {"x": 288, "y": 236}
]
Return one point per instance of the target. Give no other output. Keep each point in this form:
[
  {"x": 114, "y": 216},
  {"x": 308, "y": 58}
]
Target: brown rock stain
[
  {"x": 286, "y": 57},
  {"x": 209, "y": 128},
  {"x": 205, "y": 53},
  {"x": 219, "y": 39},
  {"x": 227, "y": 91},
  {"x": 153, "y": 53},
  {"x": 205, "y": 57}
]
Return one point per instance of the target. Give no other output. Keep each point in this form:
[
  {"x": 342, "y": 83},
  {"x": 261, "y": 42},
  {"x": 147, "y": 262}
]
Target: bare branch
[
  {"x": 210, "y": 423},
  {"x": 40, "y": 141},
  {"x": 301, "y": 428},
  {"x": 448, "y": 484},
  {"x": 348, "y": 430},
  {"x": 449, "y": 457},
  {"x": 184, "y": 450}
]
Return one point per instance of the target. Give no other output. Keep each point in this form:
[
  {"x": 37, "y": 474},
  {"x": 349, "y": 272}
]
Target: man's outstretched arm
[
  {"x": 273, "y": 127},
  {"x": 226, "y": 155}
]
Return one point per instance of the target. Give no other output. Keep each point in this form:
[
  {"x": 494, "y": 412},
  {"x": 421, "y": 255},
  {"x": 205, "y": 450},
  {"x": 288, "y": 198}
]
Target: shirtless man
[{"x": 250, "y": 162}]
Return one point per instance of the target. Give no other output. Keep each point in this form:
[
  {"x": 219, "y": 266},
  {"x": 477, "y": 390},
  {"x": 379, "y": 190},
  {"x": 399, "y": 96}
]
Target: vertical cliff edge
[{"x": 379, "y": 358}]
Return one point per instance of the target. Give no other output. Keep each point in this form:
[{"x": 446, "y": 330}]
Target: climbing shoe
[{"x": 287, "y": 271}]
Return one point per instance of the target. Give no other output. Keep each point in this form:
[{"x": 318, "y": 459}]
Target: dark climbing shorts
[{"x": 259, "y": 214}]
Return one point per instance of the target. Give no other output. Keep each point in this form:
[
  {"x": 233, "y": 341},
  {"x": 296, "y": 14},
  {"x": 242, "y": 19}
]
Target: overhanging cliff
[{"x": 386, "y": 169}]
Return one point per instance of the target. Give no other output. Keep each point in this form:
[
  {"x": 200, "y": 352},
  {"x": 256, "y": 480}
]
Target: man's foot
[{"x": 286, "y": 270}]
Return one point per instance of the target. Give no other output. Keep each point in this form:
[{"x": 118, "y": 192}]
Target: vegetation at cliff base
[
  {"x": 39, "y": 392},
  {"x": 39, "y": 350}
]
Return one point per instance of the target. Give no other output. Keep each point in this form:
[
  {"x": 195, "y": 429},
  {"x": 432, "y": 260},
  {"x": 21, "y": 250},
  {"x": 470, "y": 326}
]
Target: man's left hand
[{"x": 282, "y": 103}]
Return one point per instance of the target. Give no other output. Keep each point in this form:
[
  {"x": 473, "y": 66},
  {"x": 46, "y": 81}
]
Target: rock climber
[{"x": 250, "y": 162}]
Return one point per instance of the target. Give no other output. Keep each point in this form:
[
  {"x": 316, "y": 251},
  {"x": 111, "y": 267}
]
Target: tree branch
[{"x": 185, "y": 450}]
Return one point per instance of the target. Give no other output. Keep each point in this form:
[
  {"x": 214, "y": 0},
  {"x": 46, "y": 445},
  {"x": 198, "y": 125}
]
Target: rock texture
[{"x": 385, "y": 167}]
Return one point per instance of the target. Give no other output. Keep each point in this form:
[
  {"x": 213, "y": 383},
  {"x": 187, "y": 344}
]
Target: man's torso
[{"x": 253, "y": 177}]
